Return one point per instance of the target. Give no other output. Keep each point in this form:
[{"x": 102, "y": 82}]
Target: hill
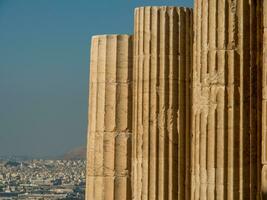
[{"x": 78, "y": 153}]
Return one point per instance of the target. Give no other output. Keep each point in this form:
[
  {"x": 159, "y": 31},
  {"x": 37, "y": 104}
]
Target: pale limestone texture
[
  {"x": 226, "y": 100},
  {"x": 161, "y": 114},
  {"x": 110, "y": 125},
  {"x": 197, "y": 111}
]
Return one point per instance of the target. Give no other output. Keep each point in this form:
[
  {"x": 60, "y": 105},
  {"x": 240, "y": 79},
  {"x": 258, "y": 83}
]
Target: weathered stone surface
[
  {"x": 199, "y": 121},
  {"x": 161, "y": 121},
  {"x": 226, "y": 100},
  {"x": 110, "y": 115}
]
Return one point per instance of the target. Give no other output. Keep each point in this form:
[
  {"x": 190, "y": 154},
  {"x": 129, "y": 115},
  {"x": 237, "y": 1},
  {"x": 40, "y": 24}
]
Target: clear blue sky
[{"x": 44, "y": 68}]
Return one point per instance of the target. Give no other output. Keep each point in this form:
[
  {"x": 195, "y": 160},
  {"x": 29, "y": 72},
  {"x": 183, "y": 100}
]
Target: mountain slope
[{"x": 78, "y": 153}]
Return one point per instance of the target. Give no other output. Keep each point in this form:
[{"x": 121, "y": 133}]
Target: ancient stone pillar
[
  {"x": 110, "y": 122},
  {"x": 226, "y": 100},
  {"x": 264, "y": 104},
  {"x": 161, "y": 120}
]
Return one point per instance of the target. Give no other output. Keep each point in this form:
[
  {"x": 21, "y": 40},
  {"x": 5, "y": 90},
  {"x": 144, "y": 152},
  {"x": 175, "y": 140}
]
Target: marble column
[
  {"x": 226, "y": 100},
  {"x": 161, "y": 112},
  {"x": 110, "y": 118}
]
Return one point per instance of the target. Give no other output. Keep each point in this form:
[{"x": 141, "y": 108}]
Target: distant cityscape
[{"x": 41, "y": 179}]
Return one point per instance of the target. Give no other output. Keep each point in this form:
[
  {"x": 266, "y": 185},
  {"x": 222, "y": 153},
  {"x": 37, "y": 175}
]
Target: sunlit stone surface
[
  {"x": 110, "y": 114},
  {"x": 226, "y": 100},
  {"x": 161, "y": 122},
  {"x": 182, "y": 113}
]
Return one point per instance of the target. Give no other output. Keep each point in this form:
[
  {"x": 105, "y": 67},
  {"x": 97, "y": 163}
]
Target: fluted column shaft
[
  {"x": 110, "y": 118},
  {"x": 161, "y": 122},
  {"x": 226, "y": 100}
]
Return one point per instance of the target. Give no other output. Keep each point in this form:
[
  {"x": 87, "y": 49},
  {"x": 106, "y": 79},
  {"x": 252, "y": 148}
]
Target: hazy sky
[{"x": 44, "y": 68}]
